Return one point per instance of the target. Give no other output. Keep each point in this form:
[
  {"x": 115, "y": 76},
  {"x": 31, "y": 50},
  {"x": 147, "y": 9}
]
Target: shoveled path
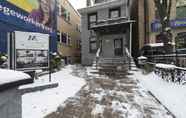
[{"x": 110, "y": 97}]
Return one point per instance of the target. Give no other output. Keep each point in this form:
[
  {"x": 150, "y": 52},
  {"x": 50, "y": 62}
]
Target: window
[
  {"x": 64, "y": 38},
  {"x": 64, "y": 13},
  {"x": 93, "y": 45},
  {"x": 114, "y": 13},
  {"x": 69, "y": 41},
  {"x": 92, "y": 20},
  {"x": 118, "y": 47},
  {"x": 58, "y": 37},
  {"x": 68, "y": 17},
  {"x": 180, "y": 12},
  {"x": 78, "y": 27}
]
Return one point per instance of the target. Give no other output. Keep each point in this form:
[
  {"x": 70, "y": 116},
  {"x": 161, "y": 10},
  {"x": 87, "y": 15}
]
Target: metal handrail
[{"x": 97, "y": 56}]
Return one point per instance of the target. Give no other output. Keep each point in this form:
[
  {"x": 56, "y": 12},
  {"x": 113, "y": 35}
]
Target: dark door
[{"x": 118, "y": 47}]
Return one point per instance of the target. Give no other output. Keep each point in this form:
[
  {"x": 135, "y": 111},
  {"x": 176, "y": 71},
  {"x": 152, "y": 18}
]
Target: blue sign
[
  {"x": 13, "y": 18},
  {"x": 180, "y": 23},
  {"x": 156, "y": 26}
]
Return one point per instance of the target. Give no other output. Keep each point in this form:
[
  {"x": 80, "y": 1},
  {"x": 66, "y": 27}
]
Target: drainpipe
[
  {"x": 145, "y": 21},
  {"x": 130, "y": 56}
]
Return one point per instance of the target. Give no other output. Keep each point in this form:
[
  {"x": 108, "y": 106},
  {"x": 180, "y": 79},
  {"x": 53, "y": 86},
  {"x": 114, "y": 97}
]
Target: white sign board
[
  {"x": 35, "y": 41},
  {"x": 31, "y": 50}
]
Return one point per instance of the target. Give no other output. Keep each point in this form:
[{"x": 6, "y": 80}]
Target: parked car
[
  {"x": 181, "y": 51},
  {"x": 152, "y": 49}
]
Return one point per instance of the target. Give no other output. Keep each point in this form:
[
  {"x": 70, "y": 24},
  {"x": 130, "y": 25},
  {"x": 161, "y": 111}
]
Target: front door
[{"x": 118, "y": 47}]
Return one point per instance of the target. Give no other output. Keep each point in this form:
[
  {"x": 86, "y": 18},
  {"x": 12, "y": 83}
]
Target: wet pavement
[{"x": 110, "y": 97}]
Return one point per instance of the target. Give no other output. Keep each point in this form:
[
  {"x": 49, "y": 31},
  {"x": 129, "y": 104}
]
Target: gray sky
[{"x": 78, "y": 3}]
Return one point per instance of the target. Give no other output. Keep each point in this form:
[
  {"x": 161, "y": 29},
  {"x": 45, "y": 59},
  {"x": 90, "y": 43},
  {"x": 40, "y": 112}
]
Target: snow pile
[
  {"x": 166, "y": 66},
  {"x": 170, "y": 94},
  {"x": 155, "y": 44},
  {"x": 8, "y": 76},
  {"x": 41, "y": 103},
  {"x": 141, "y": 58}
]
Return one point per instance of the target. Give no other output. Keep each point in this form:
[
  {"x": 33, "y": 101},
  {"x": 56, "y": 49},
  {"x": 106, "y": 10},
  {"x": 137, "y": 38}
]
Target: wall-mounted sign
[
  {"x": 180, "y": 23},
  {"x": 41, "y": 13},
  {"x": 156, "y": 26},
  {"x": 31, "y": 50}
]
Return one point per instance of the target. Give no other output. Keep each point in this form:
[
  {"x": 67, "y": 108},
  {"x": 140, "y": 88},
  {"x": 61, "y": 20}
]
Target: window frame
[
  {"x": 65, "y": 35},
  {"x": 59, "y": 37},
  {"x": 115, "y": 9},
  {"x": 91, "y": 42},
  {"x": 89, "y": 22}
]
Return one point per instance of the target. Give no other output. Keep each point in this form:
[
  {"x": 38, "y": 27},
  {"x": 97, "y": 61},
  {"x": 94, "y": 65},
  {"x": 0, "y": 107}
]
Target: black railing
[
  {"x": 177, "y": 59},
  {"x": 174, "y": 74}
]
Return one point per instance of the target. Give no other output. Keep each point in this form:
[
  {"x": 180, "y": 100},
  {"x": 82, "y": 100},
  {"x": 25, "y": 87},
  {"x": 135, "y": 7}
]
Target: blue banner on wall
[
  {"x": 13, "y": 18},
  {"x": 156, "y": 26}
]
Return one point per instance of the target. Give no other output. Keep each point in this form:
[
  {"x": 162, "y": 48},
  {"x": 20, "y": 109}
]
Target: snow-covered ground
[
  {"x": 172, "y": 95},
  {"x": 8, "y": 76},
  {"x": 39, "y": 104}
]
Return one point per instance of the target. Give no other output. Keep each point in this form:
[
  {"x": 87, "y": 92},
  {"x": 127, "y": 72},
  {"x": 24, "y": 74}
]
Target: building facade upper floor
[
  {"x": 104, "y": 12},
  {"x": 67, "y": 16},
  {"x": 68, "y": 25}
]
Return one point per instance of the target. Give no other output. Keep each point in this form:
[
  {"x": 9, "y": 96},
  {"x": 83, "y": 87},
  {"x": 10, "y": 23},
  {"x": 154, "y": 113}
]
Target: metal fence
[
  {"x": 177, "y": 59},
  {"x": 176, "y": 75}
]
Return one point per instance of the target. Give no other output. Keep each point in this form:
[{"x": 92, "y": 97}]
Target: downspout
[{"x": 145, "y": 21}]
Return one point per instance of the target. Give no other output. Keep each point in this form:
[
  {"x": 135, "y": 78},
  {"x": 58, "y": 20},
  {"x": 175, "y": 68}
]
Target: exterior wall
[
  {"x": 150, "y": 17},
  {"x": 102, "y": 10},
  {"x": 10, "y": 104},
  {"x": 141, "y": 22},
  {"x": 151, "y": 14},
  {"x": 86, "y": 57},
  {"x": 72, "y": 29}
]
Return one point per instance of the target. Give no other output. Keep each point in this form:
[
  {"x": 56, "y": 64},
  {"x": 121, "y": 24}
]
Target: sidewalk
[
  {"x": 172, "y": 95},
  {"x": 40, "y": 103},
  {"x": 105, "y": 97}
]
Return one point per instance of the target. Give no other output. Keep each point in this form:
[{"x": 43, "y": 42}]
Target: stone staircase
[{"x": 113, "y": 67}]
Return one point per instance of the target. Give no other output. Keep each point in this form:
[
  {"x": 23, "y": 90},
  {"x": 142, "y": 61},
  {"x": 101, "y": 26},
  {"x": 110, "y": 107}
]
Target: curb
[
  {"x": 169, "y": 112},
  {"x": 38, "y": 88}
]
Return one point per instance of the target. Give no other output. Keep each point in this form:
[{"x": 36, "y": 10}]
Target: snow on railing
[
  {"x": 171, "y": 73},
  {"x": 98, "y": 52},
  {"x": 98, "y": 56}
]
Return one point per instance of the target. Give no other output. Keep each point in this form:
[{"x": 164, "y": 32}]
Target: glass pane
[
  {"x": 117, "y": 43},
  {"x": 114, "y": 14},
  {"x": 93, "y": 18},
  {"x": 64, "y": 38}
]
